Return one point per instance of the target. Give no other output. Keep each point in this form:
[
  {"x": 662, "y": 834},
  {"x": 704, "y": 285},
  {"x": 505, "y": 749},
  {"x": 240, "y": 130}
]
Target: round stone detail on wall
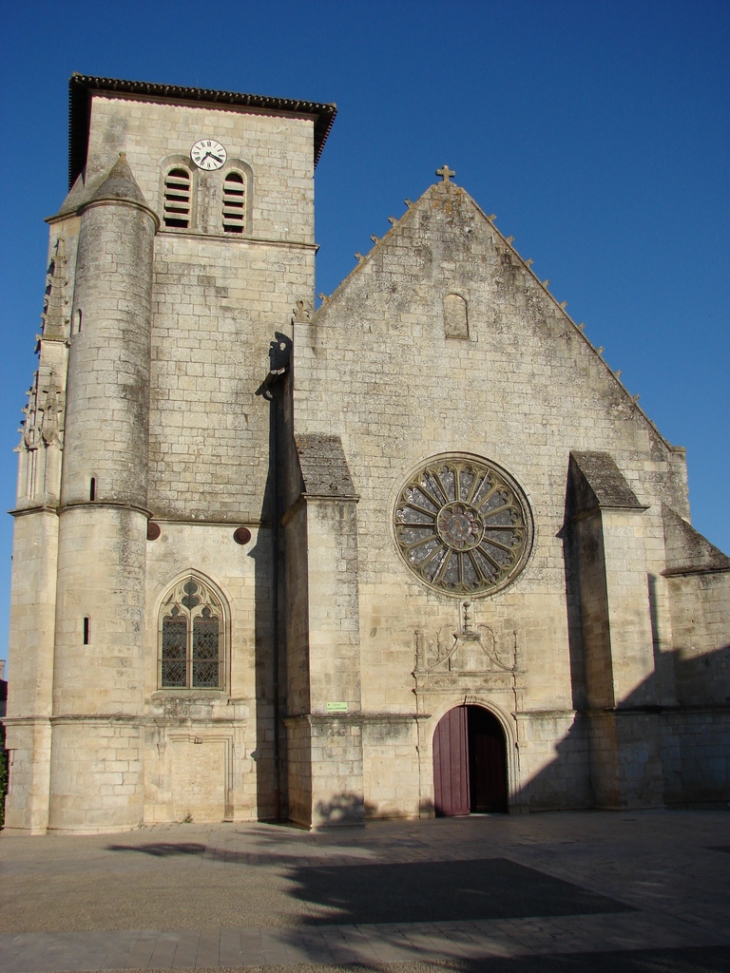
[{"x": 463, "y": 525}]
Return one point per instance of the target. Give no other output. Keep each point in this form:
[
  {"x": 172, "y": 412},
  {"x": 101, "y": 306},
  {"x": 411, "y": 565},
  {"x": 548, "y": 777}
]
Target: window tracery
[
  {"x": 192, "y": 637},
  {"x": 463, "y": 526}
]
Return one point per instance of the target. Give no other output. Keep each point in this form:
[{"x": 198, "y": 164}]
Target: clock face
[{"x": 208, "y": 154}]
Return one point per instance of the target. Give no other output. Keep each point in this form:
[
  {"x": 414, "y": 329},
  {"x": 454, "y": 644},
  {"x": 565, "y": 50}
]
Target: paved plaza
[{"x": 636, "y": 891}]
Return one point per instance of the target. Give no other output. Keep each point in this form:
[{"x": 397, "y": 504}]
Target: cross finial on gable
[{"x": 445, "y": 172}]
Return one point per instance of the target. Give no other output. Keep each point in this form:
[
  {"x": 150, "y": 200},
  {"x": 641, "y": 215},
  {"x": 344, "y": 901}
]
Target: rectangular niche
[
  {"x": 201, "y": 778},
  {"x": 456, "y": 317}
]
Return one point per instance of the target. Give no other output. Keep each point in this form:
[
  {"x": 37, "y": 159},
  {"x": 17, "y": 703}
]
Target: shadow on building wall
[
  {"x": 343, "y": 809},
  {"x": 674, "y": 754},
  {"x": 270, "y": 656}
]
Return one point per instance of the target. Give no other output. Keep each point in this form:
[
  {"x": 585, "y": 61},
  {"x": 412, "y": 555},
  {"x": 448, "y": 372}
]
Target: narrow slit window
[
  {"x": 177, "y": 198},
  {"x": 234, "y": 203},
  {"x": 87, "y": 629},
  {"x": 92, "y": 488}
]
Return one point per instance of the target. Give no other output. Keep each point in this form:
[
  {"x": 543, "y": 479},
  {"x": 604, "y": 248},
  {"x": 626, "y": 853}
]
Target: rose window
[{"x": 463, "y": 526}]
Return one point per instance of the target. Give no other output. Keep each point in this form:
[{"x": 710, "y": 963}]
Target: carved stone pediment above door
[{"x": 465, "y": 657}]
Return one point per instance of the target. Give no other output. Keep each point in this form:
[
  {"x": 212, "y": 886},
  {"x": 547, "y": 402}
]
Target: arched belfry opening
[{"x": 469, "y": 763}]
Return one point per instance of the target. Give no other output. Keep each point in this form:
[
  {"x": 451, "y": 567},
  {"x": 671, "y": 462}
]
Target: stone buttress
[{"x": 33, "y": 596}]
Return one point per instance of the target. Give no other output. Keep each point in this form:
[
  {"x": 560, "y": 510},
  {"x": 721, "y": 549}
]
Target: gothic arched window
[
  {"x": 177, "y": 198},
  {"x": 234, "y": 202},
  {"x": 192, "y": 637}
]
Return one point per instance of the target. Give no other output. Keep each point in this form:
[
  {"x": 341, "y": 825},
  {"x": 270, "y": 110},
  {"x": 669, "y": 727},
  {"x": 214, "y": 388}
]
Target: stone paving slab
[
  {"x": 379, "y": 943},
  {"x": 456, "y": 893}
]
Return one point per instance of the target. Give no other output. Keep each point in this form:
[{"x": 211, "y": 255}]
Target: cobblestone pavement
[{"x": 640, "y": 891}]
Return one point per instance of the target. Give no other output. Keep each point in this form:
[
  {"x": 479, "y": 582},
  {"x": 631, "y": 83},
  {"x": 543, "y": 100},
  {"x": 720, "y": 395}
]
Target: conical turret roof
[{"x": 120, "y": 184}]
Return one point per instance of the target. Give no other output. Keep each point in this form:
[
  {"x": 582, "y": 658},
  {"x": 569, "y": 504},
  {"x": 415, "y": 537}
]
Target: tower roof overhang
[{"x": 81, "y": 88}]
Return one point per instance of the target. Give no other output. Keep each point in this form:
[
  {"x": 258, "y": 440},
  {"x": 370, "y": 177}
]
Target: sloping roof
[
  {"x": 120, "y": 183},
  {"x": 324, "y": 466},
  {"x": 81, "y": 86},
  {"x": 602, "y": 483},
  {"x": 688, "y": 552}
]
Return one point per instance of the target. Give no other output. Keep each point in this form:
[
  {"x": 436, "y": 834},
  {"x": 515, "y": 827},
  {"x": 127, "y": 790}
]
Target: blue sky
[{"x": 597, "y": 131}]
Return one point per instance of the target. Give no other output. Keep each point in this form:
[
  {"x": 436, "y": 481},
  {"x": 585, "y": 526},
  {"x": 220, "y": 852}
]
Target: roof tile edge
[{"x": 81, "y": 86}]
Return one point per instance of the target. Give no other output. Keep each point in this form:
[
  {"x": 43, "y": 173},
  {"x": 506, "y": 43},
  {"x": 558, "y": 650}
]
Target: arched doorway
[{"x": 469, "y": 763}]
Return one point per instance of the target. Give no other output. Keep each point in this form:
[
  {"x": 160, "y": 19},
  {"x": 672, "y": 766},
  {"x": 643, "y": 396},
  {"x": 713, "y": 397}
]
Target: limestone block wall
[
  {"x": 696, "y": 740},
  {"x": 277, "y": 148},
  {"x": 33, "y": 601},
  {"x": 35, "y": 548},
  {"x": 98, "y": 661},
  {"x": 297, "y": 612},
  {"x": 336, "y": 760},
  {"x": 234, "y": 724},
  {"x": 212, "y": 335},
  {"x": 696, "y": 756},
  {"x": 109, "y": 357},
  {"x": 628, "y": 605},
  {"x": 28, "y": 742},
  {"x": 554, "y": 762},
  {"x": 191, "y": 771},
  {"x": 96, "y": 774},
  {"x": 334, "y": 649},
  {"x": 168, "y": 347},
  {"x": 701, "y": 634},
  {"x": 156, "y": 344},
  {"x": 299, "y": 766},
  {"x": 390, "y": 774},
  {"x": 377, "y": 366},
  {"x": 98, "y": 668},
  {"x": 219, "y": 306}
]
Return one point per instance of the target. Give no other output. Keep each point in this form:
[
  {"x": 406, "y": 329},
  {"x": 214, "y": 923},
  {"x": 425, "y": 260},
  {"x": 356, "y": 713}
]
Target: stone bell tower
[{"x": 143, "y": 647}]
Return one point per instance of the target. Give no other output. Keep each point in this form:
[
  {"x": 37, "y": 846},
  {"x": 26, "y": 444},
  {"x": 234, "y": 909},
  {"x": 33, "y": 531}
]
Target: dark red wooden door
[
  {"x": 451, "y": 764},
  {"x": 487, "y": 761}
]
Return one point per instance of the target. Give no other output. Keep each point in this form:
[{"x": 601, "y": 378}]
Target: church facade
[{"x": 416, "y": 552}]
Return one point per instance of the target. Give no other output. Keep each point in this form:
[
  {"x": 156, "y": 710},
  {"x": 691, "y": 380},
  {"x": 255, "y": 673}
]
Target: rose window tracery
[{"x": 462, "y": 525}]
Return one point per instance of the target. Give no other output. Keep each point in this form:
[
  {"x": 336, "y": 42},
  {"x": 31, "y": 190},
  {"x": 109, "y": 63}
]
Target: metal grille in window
[
  {"x": 463, "y": 526},
  {"x": 177, "y": 198},
  {"x": 191, "y": 637},
  {"x": 174, "y": 649},
  {"x": 205, "y": 650},
  {"x": 234, "y": 199}
]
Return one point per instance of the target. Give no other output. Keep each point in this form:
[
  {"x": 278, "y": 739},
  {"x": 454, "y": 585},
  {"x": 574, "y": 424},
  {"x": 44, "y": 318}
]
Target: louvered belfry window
[
  {"x": 234, "y": 203},
  {"x": 177, "y": 198},
  {"x": 191, "y": 638}
]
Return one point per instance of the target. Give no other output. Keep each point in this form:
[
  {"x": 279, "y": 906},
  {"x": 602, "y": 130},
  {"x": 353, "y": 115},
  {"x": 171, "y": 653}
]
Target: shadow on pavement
[
  {"x": 440, "y": 891},
  {"x": 162, "y": 849},
  {"x": 448, "y": 891},
  {"x": 699, "y": 959}
]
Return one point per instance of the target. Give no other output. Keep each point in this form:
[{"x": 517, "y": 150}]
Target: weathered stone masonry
[{"x": 443, "y": 502}]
